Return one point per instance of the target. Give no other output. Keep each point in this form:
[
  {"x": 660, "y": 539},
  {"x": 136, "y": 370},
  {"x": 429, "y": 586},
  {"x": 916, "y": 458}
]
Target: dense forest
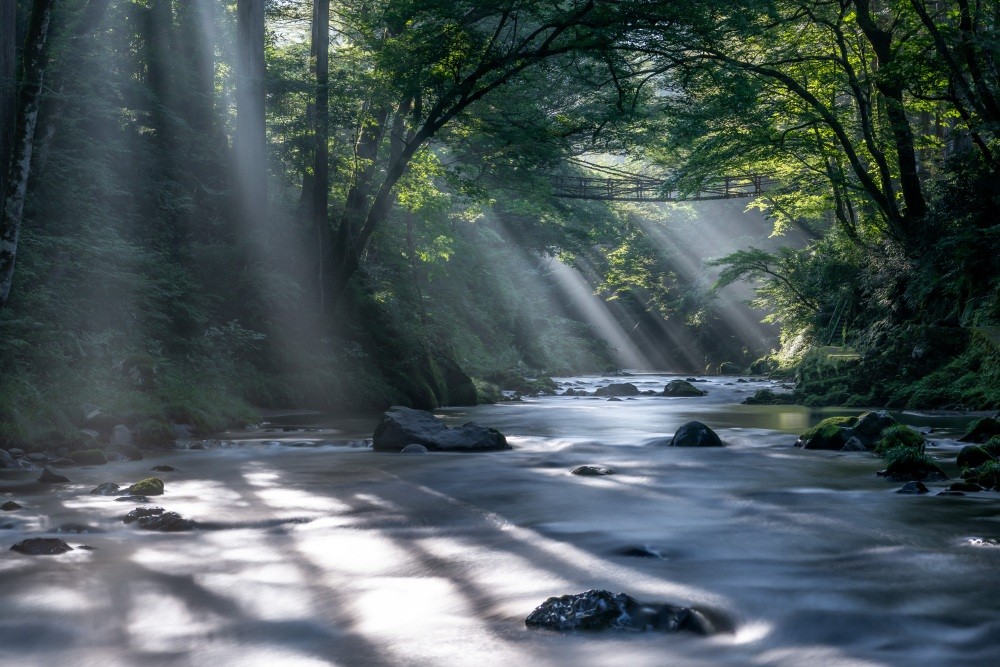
[{"x": 216, "y": 206}]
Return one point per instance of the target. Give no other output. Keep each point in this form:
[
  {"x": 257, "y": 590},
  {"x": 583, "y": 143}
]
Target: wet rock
[
  {"x": 38, "y": 457},
  {"x": 78, "y": 528},
  {"x": 132, "y": 499},
  {"x": 101, "y": 422},
  {"x": 913, "y": 470},
  {"x": 618, "y": 389},
  {"x": 86, "y": 547},
  {"x": 88, "y": 457},
  {"x": 681, "y": 388},
  {"x": 973, "y": 456},
  {"x": 163, "y": 468},
  {"x": 870, "y": 426},
  {"x": 592, "y": 471},
  {"x": 41, "y": 546},
  {"x": 573, "y": 392},
  {"x": 168, "y": 522},
  {"x": 140, "y": 512},
  {"x": 199, "y": 446},
  {"x": 50, "y": 476},
  {"x": 832, "y": 433},
  {"x": 62, "y": 463},
  {"x": 401, "y": 426},
  {"x": 121, "y": 435},
  {"x": 695, "y": 434},
  {"x": 854, "y": 445},
  {"x": 981, "y": 430},
  {"x": 151, "y": 486},
  {"x": 770, "y": 397},
  {"x": 106, "y": 489},
  {"x": 603, "y": 610},
  {"x": 414, "y": 449},
  {"x": 639, "y": 552},
  {"x": 913, "y": 488},
  {"x": 614, "y": 398},
  {"x": 949, "y": 492},
  {"x": 970, "y": 487},
  {"x": 10, "y": 506},
  {"x": 6, "y": 460}
]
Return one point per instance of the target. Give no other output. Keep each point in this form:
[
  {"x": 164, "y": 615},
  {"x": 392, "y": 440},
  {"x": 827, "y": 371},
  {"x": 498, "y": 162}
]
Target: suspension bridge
[{"x": 613, "y": 184}]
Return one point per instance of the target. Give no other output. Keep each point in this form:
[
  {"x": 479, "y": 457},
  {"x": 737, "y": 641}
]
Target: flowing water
[{"x": 321, "y": 553}]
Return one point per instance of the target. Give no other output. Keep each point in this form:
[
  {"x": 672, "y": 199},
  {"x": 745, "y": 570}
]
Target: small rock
[
  {"x": 614, "y": 398},
  {"x": 618, "y": 389},
  {"x": 854, "y": 445},
  {"x": 132, "y": 499},
  {"x": 168, "y": 522},
  {"x": 10, "y": 506},
  {"x": 86, "y": 547},
  {"x": 38, "y": 457},
  {"x": 50, "y": 476},
  {"x": 414, "y": 448},
  {"x": 16, "y": 452},
  {"x": 695, "y": 434},
  {"x": 163, "y": 468},
  {"x": 682, "y": 388},
  {"x": 603, "y": 610},
  {"x": 592, "y": 471},
  {"x": 965, "y": 486},
  {"x": 151, "y": 486},
  {"x": 639, "y": 552},
  {"x": 41, "y": 546},
  {"x": 77, "y": 528},
  {"x": 198, "y": 446},
  {"x": 949, "y": 492},
  {"x": 913, "y": 488},
  {"x": 140, "y": 512}
]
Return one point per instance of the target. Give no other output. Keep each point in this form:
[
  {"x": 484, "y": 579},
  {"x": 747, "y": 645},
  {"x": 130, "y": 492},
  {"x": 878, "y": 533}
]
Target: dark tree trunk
[
  {"x": 8, "y": 87},
  {"x": 29, "y": 99},
  {"x": 321, "y": 166},
  {"x": 250, "y": 141}
]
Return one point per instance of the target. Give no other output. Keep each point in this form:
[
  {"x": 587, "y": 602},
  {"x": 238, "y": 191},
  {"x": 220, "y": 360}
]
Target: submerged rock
[
  {"x": 167, "y": 522},
  {"x": 682, "y": 388},
  {"x": 163, "y": 468},
  {"x": 603, "y": 610},
  {"x": 913, "y": 488},
  {"x": 132, "y": 499},
  {"x": 50, "y": 476},
  {"x": 106, "y": 489},
  {"x": 913, "y": 469},
  {"x": 640, "y": 552},
  {"x": 10, "y": 506},
  {"x": 770, "y": 397},
  {"x": 695, "y": 434},
  {"x": 78, "y": 528},
  {"x": 140, "y": 512},
  {"x": 592, "y": 471},
  {"x": 414, "y": 449},
  {"x": 618, "y": 389},
  {"x": 401, "y": 426},
  {"x": 41, "y": 546}
]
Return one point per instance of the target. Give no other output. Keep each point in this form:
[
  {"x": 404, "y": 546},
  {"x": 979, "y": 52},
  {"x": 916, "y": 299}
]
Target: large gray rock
[
  {"x": 6, "y": 460},
  {"x": 403, "y": 426},
  {"x": 695, "y": 434},
  {"x": 121, "y": 435}
]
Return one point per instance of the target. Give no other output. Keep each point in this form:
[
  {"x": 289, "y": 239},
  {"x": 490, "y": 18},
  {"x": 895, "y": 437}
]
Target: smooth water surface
[{"x": 331, "y": 554}]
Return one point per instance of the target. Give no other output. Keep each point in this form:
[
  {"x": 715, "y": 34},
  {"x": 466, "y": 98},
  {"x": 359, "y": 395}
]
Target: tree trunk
[
  {"x": 321, "y": 136},
  {"x": 8, "y": 87},
  {"x": 29, "y": 99},
  {"x": 250, "y": 141}
]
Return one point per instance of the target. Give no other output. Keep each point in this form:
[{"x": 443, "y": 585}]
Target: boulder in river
[
  {"x": 913, "y": 488},
  {"x": 50, "y": 476},
  {"x": 163, "y": 468},
  {"x": 88, "y": 457},
  {"x": 870, "y": 426},
  {"x": 151, "y": 486},
  {"x": 414, "y": 448},
  {"x": 10, "y": 506},
  {"x": 140, "y": 512},
  {"x": 770, "y": 397},
  {"x": 695, "y": 434},
  {"x": 168, "y": 522},
  {"x": 7, "y": 461},
  {"x": 618, "y": 389},
  {"x": 42, "y": 546},
  {"x": 973, "y": 456},
  {"x": 121, "y": 435},
  {"x": 831, "y": 433},
  {"x": 401, "y": 426},
  {"x": 682, "y": 388},
  {"x": 592, "y": 471},
  {"x": 982, "y": 430},
  {"x": 106, "y": 489},
  {"x": 603, "y": 610},
  {"x": 913, "y": 466}
]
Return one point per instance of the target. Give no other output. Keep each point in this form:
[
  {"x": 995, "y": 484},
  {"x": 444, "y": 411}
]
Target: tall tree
[
  {"x": 321, "y": 136},
  {"x": 250, "y": 143},
  {"x": 29, "y": 100},
  {"x": 8, "y": 87}
]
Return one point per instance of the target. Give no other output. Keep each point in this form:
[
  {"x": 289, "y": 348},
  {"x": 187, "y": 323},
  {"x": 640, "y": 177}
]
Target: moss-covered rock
[
  {"x": 88, "y": 457},
  {"x": 907, "y": 464},
  {"x": 993, "y": 446},
  {"x": 973, "y": 456},
  {"x": 831, "y": 433},
  {"x": 899, "y": 436},
  {"x": 770, "y": 397},
  {"x": 982, "y": 430},
  {"x": 682, "y": 388},
  {"x": 151, "y": 486},
  {"x": 987, "y": 475}
]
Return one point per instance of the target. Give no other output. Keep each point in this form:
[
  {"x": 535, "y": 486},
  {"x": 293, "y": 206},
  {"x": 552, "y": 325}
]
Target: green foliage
[
  {"x": 987, "y": 475},
  {"x": 897, "y": 438}
]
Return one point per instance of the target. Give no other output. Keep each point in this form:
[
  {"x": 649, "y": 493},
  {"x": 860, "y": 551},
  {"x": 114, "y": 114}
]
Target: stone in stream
[
  {"x": 168, "y": 522},
  {"x": 132, "y": 499},
  {"x": 971, "y": 487},
  {"x": 78, "y": 528},
  {"x": 6, "y": 460},
  {"x": 831, "y": 433},
  {"x": 592, "y": 471},
  {"x": 680, "y": 388},
  {"x": 414, "y": 448},
  {"x": 401, "y": 426},
  {"x": 870, "y": 425},
  {"x": 614, "y": 398},
  {"x": 41, "y": 546},
  {"x": 913, "y": 469},
  {"x": 640, "y": 552},
  {"x": 106, "y": 489},
  {"x": 973, "y": 456},
  {"x": 981, "y": 430},
  {"x": 163, "y": 468},
  {"x": 695, "y": 434},
  {"x": 603, "y": 610},
  {"x": 126, "y": 452},
  {"x": 618, "y": 389},
  {"x": 10, "y": 506},
  {"x": 151, "y": 486},
  {"x": 913, "y": 488},
  {"x": 140, "y": 512},
  {"x": 121, "y": 435},
  {"x": 50, "y": 476}
]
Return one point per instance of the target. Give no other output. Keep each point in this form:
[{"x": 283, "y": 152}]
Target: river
[{"x": 316, "y": 553}]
